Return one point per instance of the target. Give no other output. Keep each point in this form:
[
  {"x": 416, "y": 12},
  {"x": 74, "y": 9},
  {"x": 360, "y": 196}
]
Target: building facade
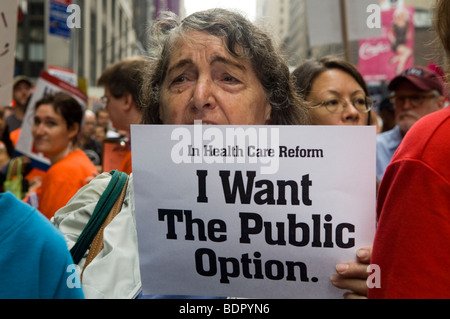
[{"x": 106, "y": 36}]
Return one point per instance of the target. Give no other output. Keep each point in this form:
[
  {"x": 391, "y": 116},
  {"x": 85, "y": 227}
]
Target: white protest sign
[
  {"x": 256, "y": 212},
  {"x": 8, "y": 31},
  {"x": 64, "y": 74},
  {"x": 46, "y": 84}
]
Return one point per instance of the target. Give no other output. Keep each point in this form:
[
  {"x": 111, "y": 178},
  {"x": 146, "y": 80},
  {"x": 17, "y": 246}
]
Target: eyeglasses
[
  {"x": 338, "y": 105},
  {"x": 415, "y": 100}
]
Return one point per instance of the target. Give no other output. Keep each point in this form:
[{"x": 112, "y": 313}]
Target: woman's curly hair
[{"x": 243, "y": 40}]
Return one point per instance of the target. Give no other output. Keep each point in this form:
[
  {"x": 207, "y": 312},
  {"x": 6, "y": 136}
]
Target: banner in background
[{"x": 382, "y": 58}]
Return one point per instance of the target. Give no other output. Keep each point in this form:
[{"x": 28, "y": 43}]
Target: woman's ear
[{"x": 73, "y": 130}]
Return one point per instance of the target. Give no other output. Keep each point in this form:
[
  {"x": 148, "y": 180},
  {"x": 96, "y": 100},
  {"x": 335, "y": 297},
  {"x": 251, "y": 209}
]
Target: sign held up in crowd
[{"x": 258, "y": 212}]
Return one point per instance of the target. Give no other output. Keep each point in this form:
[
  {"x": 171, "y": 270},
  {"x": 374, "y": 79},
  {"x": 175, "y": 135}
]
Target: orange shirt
[
  {"x": 14, "y": 136},
  {"x": 35, "y": 172},
  {"x": 126, "y": 163},
  {"x": 63, "y": 180}
]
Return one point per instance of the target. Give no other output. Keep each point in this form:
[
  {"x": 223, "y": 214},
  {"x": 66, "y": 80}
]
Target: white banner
[
  {"x": 256, "y": 212},
  {"x": 8, "y": 31}
]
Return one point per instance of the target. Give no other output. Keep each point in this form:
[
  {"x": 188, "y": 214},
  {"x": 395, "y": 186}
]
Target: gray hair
[{"x": 243, "y": 40}]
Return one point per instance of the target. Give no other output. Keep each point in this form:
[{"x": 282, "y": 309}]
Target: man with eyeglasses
[
  {"x": 122, "y": 82},
  {"x": 418, "y": 91}
]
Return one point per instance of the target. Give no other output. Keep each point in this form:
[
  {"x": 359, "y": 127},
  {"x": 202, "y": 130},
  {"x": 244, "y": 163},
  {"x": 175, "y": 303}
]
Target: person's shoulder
[
  {"x": 14, "y": 213},
  {"x": 76, "y": 213},
  {"x": 76, "y": 156},
  {"x": 88, "y": 194},
  {"x": 427, "y": 136},
  {"x": 73, "y": 162},
  {"x": 428, "y": 127},
  {"x": 432, "y": 122},
  {"x": 53, "y": 240},
  {"x": 383, "y": 136},
  {"x": 24, "y": 221},
  {"x": 389, "y": 140}
]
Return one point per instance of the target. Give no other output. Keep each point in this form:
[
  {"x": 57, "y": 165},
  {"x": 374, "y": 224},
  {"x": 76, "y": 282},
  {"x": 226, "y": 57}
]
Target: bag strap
[
  {"x": 14, "y": 163},
  {"x": 101, "y": 211},
  {"x": 97, "y": 243}
]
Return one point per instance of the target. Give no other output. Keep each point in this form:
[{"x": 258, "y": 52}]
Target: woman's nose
[
  {"x": 350, "y": 113},
  {"x": 38, "y": 129},
  {"x": 203, "y": 94}
]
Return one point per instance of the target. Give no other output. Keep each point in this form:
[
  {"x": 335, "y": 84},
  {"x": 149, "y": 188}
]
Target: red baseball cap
[{"x": 424, "y": 79}]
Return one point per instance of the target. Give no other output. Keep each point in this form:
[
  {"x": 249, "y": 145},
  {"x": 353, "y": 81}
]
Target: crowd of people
[{"x": 218, "y": 67}]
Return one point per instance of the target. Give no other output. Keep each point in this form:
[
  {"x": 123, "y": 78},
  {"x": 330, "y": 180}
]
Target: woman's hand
[{"x": 353, "y": 275}]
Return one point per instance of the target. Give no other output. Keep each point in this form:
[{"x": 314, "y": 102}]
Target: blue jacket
[{"x": 34, "y": 260}]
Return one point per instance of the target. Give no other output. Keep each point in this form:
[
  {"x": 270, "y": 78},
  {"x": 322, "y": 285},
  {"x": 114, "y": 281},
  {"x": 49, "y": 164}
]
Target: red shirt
[{"x": 413, "y": 234}]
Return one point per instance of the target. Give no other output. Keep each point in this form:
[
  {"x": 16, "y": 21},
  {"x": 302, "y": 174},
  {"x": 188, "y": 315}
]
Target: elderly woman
[
  {"x": 336, "y": 92},
  {"x": 237, "y": 78},
  {"x": 214, "y": 66}
]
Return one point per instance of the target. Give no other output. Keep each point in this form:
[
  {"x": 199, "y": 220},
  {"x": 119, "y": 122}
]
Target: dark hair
[
  {"x": 305, "y": 74},
  {"x": 243, "y": 40},
  {"x": 66, "y": 106},
  {"x": 125, "y": 77}
]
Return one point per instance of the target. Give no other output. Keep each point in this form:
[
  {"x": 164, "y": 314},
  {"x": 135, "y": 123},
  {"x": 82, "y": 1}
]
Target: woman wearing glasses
[
  {"x": 336, "y": 91},
  {"x": 338, "y": 95}
]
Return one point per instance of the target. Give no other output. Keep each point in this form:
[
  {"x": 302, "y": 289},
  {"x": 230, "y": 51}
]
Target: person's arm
[
  {"x": 73, "y": 217},
  {"x": 413, "y": 232}
]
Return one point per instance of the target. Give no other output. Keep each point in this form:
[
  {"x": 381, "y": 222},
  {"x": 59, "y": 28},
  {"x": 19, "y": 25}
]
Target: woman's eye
[
  {"x": 229, "y": 79},
  {"x": 331, "y": 103},
  {"x": 180, "y": 79},
  {"x": 360, "y": 102}
]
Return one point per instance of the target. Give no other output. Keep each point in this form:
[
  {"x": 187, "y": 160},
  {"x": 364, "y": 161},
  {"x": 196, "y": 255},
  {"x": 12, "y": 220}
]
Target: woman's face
[
  {"x": 331, "y": 87},
  {"x": 51, "y": 135},
  {"x": 205, "y": 83}
]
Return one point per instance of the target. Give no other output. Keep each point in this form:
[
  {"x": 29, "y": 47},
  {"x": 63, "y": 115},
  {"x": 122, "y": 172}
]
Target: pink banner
[{"x": 382, "y": 58}]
